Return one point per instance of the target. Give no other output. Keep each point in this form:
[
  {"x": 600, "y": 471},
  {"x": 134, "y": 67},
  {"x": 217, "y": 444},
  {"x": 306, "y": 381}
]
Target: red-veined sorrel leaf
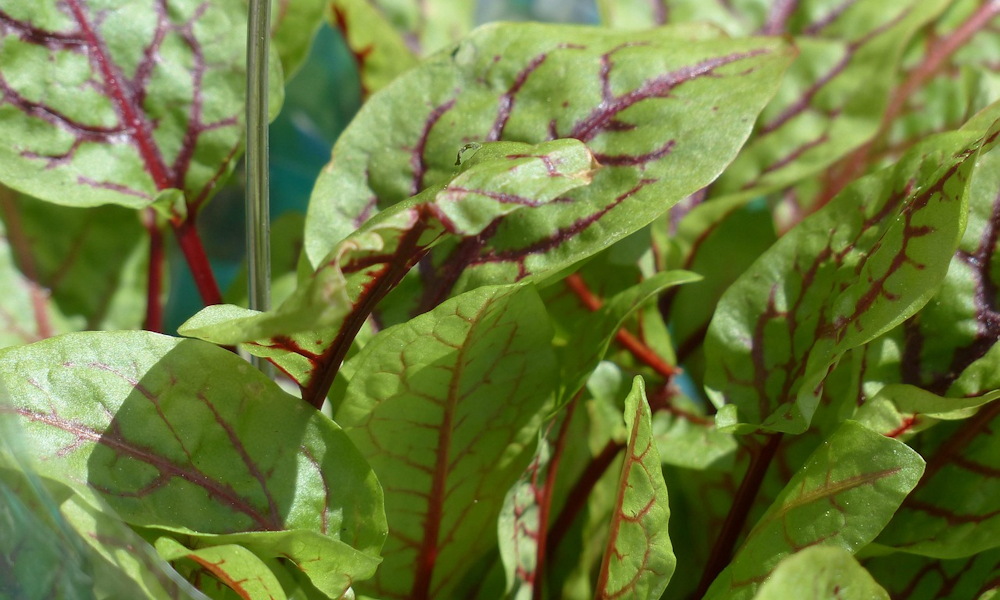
[
  {"x": 900, "y": 410},
  {"x": 185, "y": 436},
  {"x": 663, "y": 113},
  {"x": 834, "y": 95},
  {"x": 387, "y": 38},
  {"x": 444, "y": 408},
  {"x": 861, "y": 265},
  {"x": 309, "y": 334},
  {"x": 638, "y": 560},
  {"x": 116, "y": 103},
  {"x": 719, "y": 240},
  {"x": 955, "y": 511},
  {"x": 913, "y": 577},
  {"x": 961, "y": 323},
  {"x": 68, "y": 269},
  {"x": 380, "y": 51},
  {"x": 229, "y": 567},
  {"x": 518, "y": 525},
  {"x": 843, "y": 496},
  {"x": 57, "y": 545},
  {"x": 820, "y": 573},
  {"x": 293, "y": 25}
]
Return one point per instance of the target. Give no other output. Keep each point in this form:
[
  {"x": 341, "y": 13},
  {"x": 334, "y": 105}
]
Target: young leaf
[
  {"x": 518, "y": 531},
  {"x": 863, "y": 264},
  {"x": 639, "y": 559},
  {"x": 113, "y": 105},
  {"x": 843, "y": 496},
  {"x": 234, "y": 567},
  {"x": 663, "y": 113},
  {"x": 444, "y": 408},
  {"x": 818, "y": 573},
  {"x": 168, "y": 443}
]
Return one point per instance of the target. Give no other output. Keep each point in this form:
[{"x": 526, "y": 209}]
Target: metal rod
[{"x": 258, "y": 226}]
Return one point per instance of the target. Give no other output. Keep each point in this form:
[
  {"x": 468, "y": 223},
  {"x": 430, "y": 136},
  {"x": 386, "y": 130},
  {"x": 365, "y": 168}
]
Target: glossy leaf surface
[
  {"x": 843, "y": 496},
  {"x": 860, "y": 266},
  {"x": 445, "y": 408},
  {"x": 650, "y": 106},
  {"x": 639, "y": 558},
  {"x": 114, "y": 104}
]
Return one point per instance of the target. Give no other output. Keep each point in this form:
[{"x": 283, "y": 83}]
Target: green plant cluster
[{"x": 701, "y": 302}]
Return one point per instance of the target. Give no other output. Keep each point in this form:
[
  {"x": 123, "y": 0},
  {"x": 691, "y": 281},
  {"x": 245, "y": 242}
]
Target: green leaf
[
  {"x": 639, "y": 558},
  {"x": 55, "y": 544},
  {"x": 309, "y": 334},
  {"x": 444, "y": 408},
  {"x": 379, "y": 50},
  {"x": 913, "y": 577},
  {"x": 114, "y": 104},
  {"x": 900, "y": 409},
  {"x": 843, "y": 496},
  {"x": 232, "y": 566},
  {"x": 835, "y": 93},
  {"x": 293, "y": 26},
  {"x": 855, "y": 269},
  {"x": 818, "y": 573},
  {"x": 954, "y": 512},
  {"x": 518, "y": 532},
  {"x": 663, "y": 113},
  {"x": 184, "y": 436},
  {"x": 68, "y": 269}
]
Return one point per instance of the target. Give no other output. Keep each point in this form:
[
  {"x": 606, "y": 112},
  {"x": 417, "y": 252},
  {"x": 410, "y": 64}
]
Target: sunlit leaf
[
  {"x": 843, "y": 496},
  {"x": 818, "y": 573},
  {"x": 639, "y": 558},
  {"x": 445, "y": 408}
]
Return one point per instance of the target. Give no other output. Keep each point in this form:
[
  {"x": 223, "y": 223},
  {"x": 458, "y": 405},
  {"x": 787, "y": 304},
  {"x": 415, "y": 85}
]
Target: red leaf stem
[
  {"x": 194, "y": 252},
  {"x": 154, "y": 273},
  {"x": 722, "y": 551},
  {"x": 628, "y": 341},
  {"x": 853, "y": 165},
  {"x": 580, "y": 492}
]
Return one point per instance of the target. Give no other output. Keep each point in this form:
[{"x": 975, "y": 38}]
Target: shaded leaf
[
  {"x": 843, "y": 496},
  {"x": 380, "y": 51},
  {"x": 639, "y": 559},
  {"x": 184, "y": 436},
  {"x": 860, "y": 266},
  {"x": 69, "y": 269},
  {"x": 518, "y": 531},
  {"x": 444, "y": 408},
  {"x": 913, "y": 577},
  {"x": 115, "y": 104},
  {"x": 588, "y": 343},
  {"x": 818, "y": 573}
]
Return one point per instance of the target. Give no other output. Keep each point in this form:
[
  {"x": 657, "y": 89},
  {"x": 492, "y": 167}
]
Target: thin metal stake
[{"x": 258, "y": 226}]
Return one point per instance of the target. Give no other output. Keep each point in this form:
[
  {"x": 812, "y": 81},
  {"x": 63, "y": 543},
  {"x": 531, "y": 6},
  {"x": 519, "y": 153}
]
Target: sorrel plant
[{"x": 741, "y": 251}]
